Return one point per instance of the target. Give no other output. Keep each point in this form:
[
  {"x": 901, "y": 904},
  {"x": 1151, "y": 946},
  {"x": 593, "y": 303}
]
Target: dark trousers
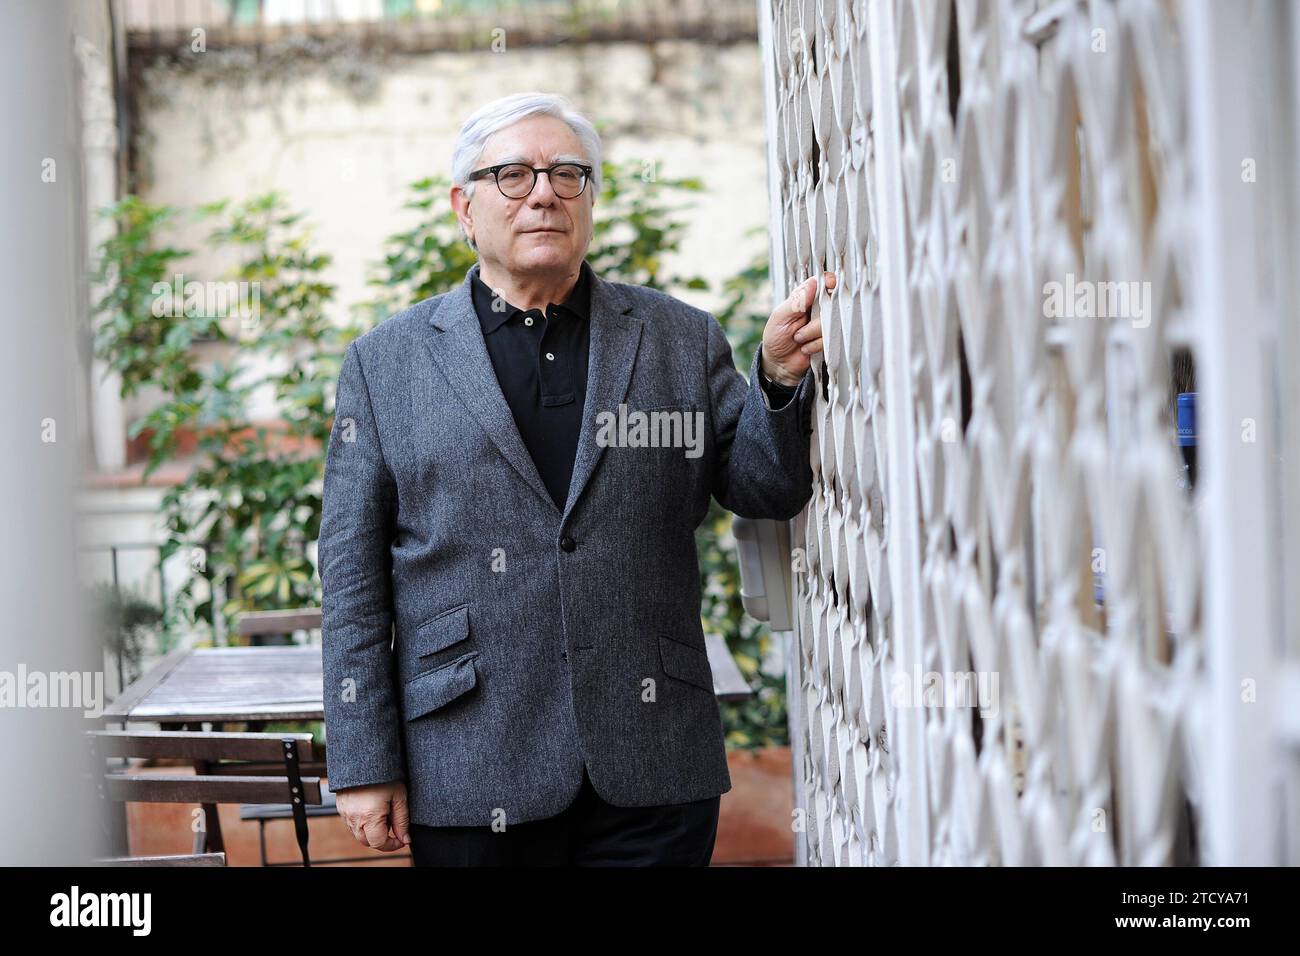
[{"x": 589, "y": 832}]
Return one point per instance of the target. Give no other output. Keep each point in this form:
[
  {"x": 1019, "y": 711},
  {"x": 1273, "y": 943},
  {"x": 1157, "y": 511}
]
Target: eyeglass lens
[{"x": 516, "y": 180}]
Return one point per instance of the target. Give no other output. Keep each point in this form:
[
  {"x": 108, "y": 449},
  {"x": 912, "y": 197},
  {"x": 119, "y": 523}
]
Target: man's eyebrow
[{"x": 555, "y": 158}]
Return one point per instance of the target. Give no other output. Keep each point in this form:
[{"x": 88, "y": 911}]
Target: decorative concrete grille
[{"x": 1021, "y": 638}]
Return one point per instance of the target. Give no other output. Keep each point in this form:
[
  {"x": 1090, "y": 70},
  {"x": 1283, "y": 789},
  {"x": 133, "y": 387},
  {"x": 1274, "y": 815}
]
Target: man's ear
[{"x": 461, "y": 204}]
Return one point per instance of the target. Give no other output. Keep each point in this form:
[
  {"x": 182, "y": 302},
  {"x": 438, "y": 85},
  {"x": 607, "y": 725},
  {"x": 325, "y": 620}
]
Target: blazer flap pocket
[
  {"x": 433, "y": 689},
  {"x": 441, "y": 632},
  {"x": 685, "y": 663}
]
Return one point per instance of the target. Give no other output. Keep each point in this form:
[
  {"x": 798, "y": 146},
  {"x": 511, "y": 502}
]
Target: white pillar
[
  {"x": 904, "y": 544},
  {"x": 1240, "y": 599},
  {"x": 99, "y": 170}
]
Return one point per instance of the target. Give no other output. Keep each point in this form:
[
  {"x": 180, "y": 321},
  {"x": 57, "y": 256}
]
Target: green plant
[
  {"x": 130, "y": 624},
  {"x": 141, "y": 347},
  {"x": 636, "y": 226},
  {"x": 251, "y": 504}
]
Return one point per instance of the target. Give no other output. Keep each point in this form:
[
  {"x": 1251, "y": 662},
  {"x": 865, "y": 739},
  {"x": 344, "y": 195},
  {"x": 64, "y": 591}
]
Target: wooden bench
[
  {"x": 228, "y": 768},
  {"x": 257, "y": 626}
]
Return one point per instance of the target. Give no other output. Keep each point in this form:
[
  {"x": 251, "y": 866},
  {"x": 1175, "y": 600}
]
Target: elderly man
[{"x": 515, "y": 671}]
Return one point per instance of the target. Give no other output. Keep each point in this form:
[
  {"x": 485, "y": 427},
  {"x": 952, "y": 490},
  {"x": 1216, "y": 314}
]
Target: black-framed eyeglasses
[{"x": 516, "y": 180}]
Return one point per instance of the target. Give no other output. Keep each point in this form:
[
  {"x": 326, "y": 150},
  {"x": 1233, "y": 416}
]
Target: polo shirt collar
[{"x": 577, "y": 303}]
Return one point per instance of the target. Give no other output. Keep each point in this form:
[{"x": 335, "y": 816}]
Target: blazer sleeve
[
  {"x": 777, "y": 394},
  {"x": 762, "y": 456},
  {"x": 362, "y": 721}
]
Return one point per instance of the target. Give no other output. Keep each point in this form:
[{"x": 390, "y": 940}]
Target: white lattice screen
[{"x": 997, "y": 492}]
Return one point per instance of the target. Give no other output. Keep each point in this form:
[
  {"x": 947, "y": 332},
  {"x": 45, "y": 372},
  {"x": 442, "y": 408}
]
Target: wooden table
[
  {"x": 258, "y": 684},
  {"x": 221, "y": 685},
  {"x": 226, "y": 684}
]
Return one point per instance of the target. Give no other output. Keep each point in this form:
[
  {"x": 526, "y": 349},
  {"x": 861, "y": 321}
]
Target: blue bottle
[{"x": 1187, "y": 436}]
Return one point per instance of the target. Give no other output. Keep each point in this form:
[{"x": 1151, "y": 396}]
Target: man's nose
[{"x": 542, "y": 194}]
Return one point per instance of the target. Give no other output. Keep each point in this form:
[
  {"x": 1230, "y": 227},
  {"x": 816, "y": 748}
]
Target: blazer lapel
[
  {"x": 615, "y": 335},
  {"x": 461, "y": 354}
]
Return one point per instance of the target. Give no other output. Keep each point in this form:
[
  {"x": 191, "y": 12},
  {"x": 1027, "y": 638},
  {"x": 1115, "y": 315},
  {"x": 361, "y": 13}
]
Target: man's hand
[
  {"x": 376, "y": 815},
  {"x": 792, "y": 335}
]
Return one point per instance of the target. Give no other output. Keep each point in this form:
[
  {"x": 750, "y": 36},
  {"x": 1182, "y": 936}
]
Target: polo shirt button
[
  {"x": 528, "y": 320},
  {"x": 567, "y": 543},
  {"x": 550, "y": 356}
]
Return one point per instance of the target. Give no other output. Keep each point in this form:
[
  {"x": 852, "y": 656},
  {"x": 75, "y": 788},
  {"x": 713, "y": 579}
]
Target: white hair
[{"x": 507, "y": 111}]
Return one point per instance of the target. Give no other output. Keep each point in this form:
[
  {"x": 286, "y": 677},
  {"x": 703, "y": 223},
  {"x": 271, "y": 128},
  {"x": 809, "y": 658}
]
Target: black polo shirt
[{"x": 540, "y": 358}]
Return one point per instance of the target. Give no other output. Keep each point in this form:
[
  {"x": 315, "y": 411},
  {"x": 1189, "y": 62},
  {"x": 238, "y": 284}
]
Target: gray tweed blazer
[{"x": 482, "y": 645}]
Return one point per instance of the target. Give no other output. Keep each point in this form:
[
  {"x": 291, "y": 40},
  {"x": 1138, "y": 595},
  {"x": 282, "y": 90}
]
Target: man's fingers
[
  {"x": 796, "y": 303},
  {"x": 813, "y": 330},
  {"x": 802, "y": 296},
  {"x": 377, "y": 816},
  {"x": 401, "y": 817},
  {"x": 810, "y": 336},
  {"x": 376, "y": 833},
  {"x": 793, "y": 326}
]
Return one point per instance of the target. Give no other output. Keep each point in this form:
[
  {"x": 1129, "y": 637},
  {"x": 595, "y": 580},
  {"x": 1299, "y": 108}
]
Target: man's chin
[{"x": 534, "y": 260}]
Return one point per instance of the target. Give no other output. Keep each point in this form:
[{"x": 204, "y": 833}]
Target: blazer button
[{"x": 567, "y": 543}]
